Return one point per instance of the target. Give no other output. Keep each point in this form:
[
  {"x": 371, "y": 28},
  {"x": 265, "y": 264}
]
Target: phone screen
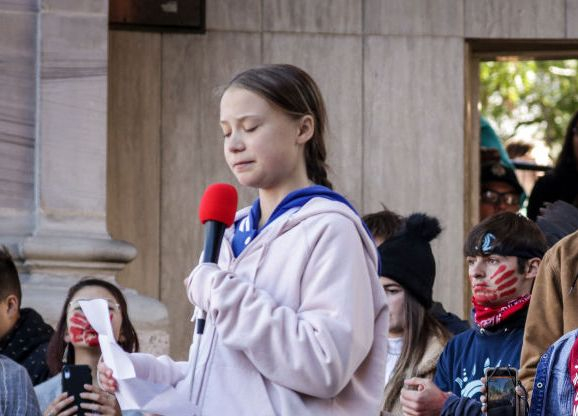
[{"x": 501, "y": 395}]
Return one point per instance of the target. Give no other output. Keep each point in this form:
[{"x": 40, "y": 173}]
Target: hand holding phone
[
  {"x": 74, "y": 377},
  {"x": 501, "y": 397}
]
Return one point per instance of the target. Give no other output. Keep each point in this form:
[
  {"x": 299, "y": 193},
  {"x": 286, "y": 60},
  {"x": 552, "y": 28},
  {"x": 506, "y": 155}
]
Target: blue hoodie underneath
[{"x": 247, "y": 228}]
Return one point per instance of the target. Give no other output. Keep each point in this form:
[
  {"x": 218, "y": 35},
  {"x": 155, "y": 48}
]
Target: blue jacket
[
  {"x": 468, "y": 354},
  {"x": 553, "y": 389},
  {"x": 17, "y": 396}
]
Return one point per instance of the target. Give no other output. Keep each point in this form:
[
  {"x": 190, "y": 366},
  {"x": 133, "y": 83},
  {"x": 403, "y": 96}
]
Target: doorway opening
[{"x": 502, "y": 81}]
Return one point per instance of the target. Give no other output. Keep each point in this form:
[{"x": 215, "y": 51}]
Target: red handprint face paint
[
  {"x": 495, "y": 279},
  {"x": 79, "y": 330}
]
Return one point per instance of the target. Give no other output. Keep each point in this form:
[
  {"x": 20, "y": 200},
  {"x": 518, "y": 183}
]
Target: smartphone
[
  {"x": 501, "y": 391},
  {"x": 74, "y": 377}
]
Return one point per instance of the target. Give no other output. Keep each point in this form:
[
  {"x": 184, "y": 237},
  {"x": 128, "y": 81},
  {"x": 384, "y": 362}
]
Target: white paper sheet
[{"x": 133, "y": 393}]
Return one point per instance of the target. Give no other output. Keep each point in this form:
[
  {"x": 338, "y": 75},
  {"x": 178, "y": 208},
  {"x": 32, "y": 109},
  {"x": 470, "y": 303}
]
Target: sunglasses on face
[
  {"x": 113, "y": 306},
  {"x": 495, "y": 198}
]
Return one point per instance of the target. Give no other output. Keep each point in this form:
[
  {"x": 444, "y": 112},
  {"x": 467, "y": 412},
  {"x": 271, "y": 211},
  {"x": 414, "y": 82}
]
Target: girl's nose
[{"x": 235, "y": 142}]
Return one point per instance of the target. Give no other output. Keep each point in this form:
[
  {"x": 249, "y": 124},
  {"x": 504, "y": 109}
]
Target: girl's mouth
[{"x": 242, "y": 165}]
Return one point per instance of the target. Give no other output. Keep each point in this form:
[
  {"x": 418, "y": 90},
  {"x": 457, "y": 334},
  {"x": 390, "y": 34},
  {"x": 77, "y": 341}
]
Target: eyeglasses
[
  {"x": 495, "y": 198},
  {"x": 113, "y": 306}
]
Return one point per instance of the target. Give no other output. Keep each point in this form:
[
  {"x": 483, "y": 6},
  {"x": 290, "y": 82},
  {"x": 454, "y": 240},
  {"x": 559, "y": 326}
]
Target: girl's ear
[
  {"x": 12, "y": 305},
  {"x": 532, "y": 266},
  {"x": 66, "y": 336},
  {"x": 12, "y": 309},
  {"x": 306, "y": 129}
]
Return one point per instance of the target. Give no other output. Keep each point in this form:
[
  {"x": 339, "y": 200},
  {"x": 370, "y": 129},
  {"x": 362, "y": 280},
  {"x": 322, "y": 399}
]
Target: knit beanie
[{"x": 407, "y": 257}]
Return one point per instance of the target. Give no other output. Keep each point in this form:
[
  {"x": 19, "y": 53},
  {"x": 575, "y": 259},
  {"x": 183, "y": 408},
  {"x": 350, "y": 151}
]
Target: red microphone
[{"x": 217, "y": 212}]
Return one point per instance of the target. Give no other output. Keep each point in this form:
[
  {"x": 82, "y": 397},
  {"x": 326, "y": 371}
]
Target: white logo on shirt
[{"x": 470, "y": 385}]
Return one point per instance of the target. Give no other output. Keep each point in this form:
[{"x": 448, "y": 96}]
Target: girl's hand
[
  {"x": 60, "y": 406},
  {"x": 101, "y": 402},
  {"x": 421, "y": 397},
  {"x": 105, "y": 379}
]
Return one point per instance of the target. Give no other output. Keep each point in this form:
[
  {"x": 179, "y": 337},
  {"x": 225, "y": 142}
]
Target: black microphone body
[{"x": 214, "y": 232}]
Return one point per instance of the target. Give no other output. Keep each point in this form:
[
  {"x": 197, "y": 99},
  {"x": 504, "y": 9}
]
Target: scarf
[
  {"x": 573, "y": 372},
  {"x": 489, "y": 316}
]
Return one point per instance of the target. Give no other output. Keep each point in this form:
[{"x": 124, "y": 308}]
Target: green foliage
[{"x": 541, "y": 96}]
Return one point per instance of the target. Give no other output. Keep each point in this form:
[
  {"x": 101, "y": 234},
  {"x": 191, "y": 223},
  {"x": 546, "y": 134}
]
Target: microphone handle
[{"x": 214, "y": 232}]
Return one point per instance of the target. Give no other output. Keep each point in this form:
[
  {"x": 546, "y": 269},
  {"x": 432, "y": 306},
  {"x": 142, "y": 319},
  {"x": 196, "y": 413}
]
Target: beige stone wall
[
  {"x": 53, "y": 156},
  {"x": 392, "y": 73},
  {"x": 17, "y": 114}
]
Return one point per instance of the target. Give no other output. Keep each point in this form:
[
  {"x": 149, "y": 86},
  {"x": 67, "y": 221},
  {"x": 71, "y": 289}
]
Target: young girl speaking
[{"x": 296, "y": 317}]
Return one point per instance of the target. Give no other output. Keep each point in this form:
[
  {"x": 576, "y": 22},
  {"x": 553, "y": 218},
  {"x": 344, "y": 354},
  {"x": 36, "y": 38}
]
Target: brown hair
[
  {"x": 420, "y": 327},
  {"x": 56, "y": 347},
  {"x": 296, "y": 93},
  {"x": 9, "y": 280},
  {"x": 383, "y": 224},
  {"x": 518, "y": 148},
  {"x": 513, "y": 232}
]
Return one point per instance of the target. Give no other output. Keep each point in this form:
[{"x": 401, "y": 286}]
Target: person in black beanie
[
  {"x": 416, "y": 338},
  {"x": 407, "y": 258},
  {"x": 383, "y": 225}
]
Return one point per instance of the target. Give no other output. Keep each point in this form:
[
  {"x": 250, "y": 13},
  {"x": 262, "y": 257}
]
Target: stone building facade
[{"x": 111, "y": 136}]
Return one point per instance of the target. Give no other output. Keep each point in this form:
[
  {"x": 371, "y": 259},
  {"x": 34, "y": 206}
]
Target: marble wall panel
[
  {"x": 192, "y": 153},
  {"x": 413, "y": 141},
  {"x": 571, "y": 19},
  {"x": 76, "y": 6},
  {"x": 335, "y": 64},
  {"x": 133, "y": 184},
  {"x": 234, "y": 15},
  {"x": 414, "y": 17},
  {"x": 19, "y": 5},
  {"x": 315, "y": 16},
  {"x": 17, "y": 110},
  {"x": 72, "y": 129},
  {"x": 515, "y": 19},
  {"x": 16, "y": 175}
]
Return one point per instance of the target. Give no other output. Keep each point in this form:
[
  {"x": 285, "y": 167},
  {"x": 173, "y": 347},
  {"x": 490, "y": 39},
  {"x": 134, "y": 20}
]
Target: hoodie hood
[
  {"x": 316, "y": 206},
  {"x": 247, "y": 228}
]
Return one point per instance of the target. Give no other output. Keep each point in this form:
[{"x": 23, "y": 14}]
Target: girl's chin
[
  {"x": 88, "y": 343},
  {"x": 87, "y": 347}
]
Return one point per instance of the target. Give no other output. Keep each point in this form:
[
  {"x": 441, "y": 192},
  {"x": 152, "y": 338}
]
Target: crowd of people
[{"x": 313, "y": 310}]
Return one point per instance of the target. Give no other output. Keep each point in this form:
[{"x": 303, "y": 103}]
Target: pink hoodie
[{"x": 296, "y": 325}]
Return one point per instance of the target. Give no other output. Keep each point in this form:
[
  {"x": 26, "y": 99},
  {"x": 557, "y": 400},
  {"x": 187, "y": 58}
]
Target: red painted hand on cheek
[
  {"x": 504, "y": 279},
  {"x": 484, "y": 294},
  {"x": 80, "y": 330}
]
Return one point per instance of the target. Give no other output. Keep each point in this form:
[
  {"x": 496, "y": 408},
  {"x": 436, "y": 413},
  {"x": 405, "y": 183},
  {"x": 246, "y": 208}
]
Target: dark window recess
[{"x": 158, "y": 15}]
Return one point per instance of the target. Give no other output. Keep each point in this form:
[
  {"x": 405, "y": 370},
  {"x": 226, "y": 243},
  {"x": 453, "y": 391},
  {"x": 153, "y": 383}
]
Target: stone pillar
[{"x": 53, "y": 148}]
